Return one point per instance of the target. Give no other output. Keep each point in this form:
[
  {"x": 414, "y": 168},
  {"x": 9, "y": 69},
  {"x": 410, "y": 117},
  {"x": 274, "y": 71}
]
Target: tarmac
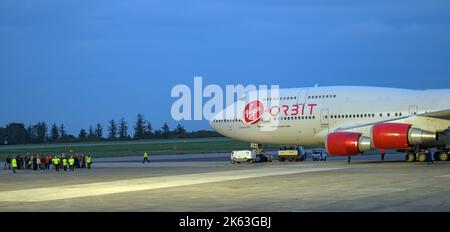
[{"x": 209, "y": 182}]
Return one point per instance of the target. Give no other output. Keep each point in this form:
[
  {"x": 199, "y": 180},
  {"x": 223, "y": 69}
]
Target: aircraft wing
[
  {"x": 444, "y": 114},
  {"x": 366, "y": 128}
]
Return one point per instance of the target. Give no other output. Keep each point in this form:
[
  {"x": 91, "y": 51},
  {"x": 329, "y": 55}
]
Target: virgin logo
[{"x": 253, "y": 112}]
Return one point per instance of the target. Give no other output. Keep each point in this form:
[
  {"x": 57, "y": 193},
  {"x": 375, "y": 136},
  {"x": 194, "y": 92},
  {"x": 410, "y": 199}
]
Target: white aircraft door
[
  {"x": 302, "y": 96},
  {"x": 413, "y": 110},
  {"x": 324, "y": 118}
]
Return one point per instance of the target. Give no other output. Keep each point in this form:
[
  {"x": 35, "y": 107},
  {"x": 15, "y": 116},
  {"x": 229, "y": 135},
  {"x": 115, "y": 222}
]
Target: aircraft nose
[{"x": 211, "y": 123}]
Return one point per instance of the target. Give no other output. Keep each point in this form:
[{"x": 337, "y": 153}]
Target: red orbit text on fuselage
[{"x": 292, "y": 110}]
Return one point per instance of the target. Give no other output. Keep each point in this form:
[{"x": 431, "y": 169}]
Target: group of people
[{"x": 45, "y": 162}]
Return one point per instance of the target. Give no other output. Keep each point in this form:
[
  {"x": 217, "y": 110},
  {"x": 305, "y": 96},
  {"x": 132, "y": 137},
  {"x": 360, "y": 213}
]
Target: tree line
[{"x": 18, "y": 133}]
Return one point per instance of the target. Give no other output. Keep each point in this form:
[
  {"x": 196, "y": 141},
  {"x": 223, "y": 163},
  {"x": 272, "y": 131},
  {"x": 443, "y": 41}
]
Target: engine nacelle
[
  {"x": 347, "y": 143},
  {"x": 399, "y": 136}
]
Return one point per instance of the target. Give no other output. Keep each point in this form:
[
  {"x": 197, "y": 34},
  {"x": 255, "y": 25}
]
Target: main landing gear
[
  {"x": 442, "y": 155},
  {"x": 422, "y": 156}
]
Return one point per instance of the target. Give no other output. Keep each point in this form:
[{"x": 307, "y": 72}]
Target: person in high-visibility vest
[
  {"x": 146, "y": 158},
  {"x": 72, "y": 164},
  {"x": 64, "y": 161},
  {"x": 55, "y": 162},
  {"x": 14, "y": 164},
  {"x": 89, "y": 161}
]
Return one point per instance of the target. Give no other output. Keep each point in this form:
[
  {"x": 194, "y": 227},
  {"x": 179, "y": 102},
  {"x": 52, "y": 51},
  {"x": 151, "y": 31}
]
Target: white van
[{"x": 243, "y": 156}]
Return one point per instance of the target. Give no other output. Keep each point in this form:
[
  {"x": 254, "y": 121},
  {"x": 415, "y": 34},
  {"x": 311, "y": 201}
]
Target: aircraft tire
[
  {"x": 411, "y": 157},
  {"x": 422, "y": 157},
  {"x": 443, "y": 156}
]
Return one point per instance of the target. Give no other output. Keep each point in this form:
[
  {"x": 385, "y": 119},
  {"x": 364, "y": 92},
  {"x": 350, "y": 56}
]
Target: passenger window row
[
  {"x": 275, "y": 118},
  {"x": 279, "y": 98},
  {"x": 293, "y": 118},
  {"x": 334, "y": 116},
  {"x": 371, "y": 115},
  {"x": 295, "y": 98},
  {"x": 227, "y": 120},
  {"x": 322, "y": 96}
]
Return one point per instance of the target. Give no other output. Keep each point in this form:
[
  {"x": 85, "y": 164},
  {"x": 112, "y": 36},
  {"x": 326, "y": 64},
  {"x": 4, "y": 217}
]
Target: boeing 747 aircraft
[{"x": 346, "y": 120}]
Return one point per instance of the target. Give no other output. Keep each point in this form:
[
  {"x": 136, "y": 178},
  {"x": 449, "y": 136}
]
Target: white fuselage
[{"x": 304, "y": 116}]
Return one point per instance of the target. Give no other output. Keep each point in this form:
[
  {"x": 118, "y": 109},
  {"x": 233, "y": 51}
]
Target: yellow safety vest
[
  {"x": 56, "y": 161},
  {"x": 89, "y": 160},
  {"x": 14, "y": 163},
  {"x": 71, "y": 161},
  {"x": 64, "y": 162},
  {"x": 145, "y": 155}
]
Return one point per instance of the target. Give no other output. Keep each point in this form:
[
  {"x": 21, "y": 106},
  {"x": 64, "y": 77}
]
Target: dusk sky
[{"x": 83, "y": 62}]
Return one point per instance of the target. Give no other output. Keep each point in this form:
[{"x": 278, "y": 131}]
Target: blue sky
[{"x": 83, "y": 62}]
